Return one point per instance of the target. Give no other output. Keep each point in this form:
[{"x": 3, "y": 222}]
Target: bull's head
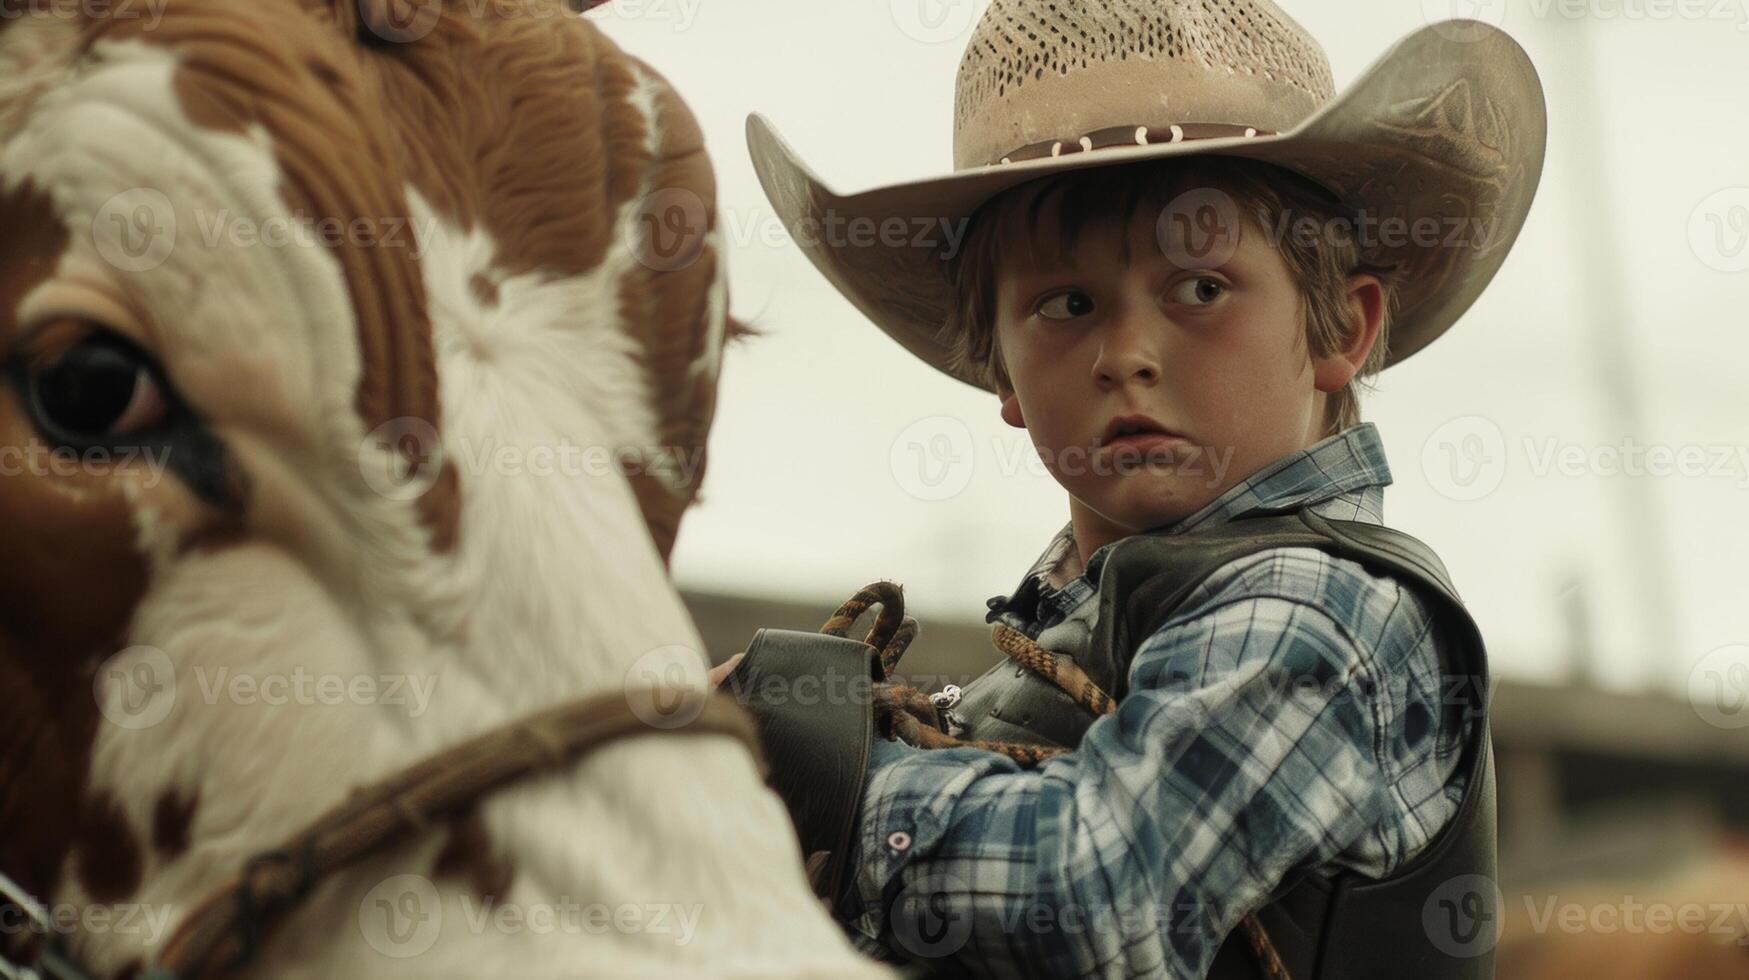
[{"x": 347, "y": 349}]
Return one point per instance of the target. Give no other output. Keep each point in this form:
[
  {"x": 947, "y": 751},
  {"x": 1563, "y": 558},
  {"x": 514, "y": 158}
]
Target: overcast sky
[{"x": 1643, "y": 216}]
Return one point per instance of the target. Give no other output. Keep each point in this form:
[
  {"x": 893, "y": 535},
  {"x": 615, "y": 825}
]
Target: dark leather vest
[{"x": 1437, "y": 916}]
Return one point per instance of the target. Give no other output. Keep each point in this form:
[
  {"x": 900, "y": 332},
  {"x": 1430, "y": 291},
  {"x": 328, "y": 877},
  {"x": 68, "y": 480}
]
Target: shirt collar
[{"x": 1350, "y": 463}]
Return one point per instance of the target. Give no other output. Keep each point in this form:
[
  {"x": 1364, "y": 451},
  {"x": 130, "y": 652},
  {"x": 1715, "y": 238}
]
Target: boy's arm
[{"x": 1248, "y": 746}]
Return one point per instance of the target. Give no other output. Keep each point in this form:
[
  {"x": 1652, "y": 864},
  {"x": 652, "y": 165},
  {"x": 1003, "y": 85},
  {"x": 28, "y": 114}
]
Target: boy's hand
[{"x": 724, "y": 669}]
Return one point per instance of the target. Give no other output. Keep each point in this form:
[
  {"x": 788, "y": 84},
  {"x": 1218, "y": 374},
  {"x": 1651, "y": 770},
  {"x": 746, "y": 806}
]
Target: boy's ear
[
  {"x": 1010, "y": 406},
  {"x": 1366, "y": 315}
]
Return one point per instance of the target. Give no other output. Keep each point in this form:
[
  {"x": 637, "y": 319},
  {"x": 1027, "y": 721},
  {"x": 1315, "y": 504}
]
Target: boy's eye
[
  {"x": 1066, "y": 305},
  {"x": 1198, "y": 291}
]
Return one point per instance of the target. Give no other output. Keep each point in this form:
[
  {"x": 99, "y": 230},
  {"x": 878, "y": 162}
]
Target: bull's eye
[
  {"x": 101, "y": 389},
  {"x": 86, "y": 387}
]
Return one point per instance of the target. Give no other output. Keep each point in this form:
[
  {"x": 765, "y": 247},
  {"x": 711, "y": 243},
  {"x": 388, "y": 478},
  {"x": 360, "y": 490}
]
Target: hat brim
[{"x": 1442, "y": 140}]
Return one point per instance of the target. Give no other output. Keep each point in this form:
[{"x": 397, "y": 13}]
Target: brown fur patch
[
  {"x": 281, "y": 69},
  {"x": 519, "y": 120},
  {"x": 543, "y": 146},
  {"x": 484, "y": 289},
  {"x": 109, "y": 860},
  {"x": 660, "y": 300},
  {"x": 171, "y": 818},
  {"x": 69, "y": 581}
]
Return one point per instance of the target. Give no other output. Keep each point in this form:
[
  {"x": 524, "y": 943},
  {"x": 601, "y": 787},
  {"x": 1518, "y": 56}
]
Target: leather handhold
[{"x": 812, "y": 698}]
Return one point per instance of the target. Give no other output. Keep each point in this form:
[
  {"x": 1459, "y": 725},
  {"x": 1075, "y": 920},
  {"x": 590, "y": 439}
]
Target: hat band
[{"x": 1134, "y": 136}]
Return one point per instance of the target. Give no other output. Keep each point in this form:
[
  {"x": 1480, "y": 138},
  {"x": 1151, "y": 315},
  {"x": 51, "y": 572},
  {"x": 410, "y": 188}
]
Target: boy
[{"x": 1183, "y": 252}]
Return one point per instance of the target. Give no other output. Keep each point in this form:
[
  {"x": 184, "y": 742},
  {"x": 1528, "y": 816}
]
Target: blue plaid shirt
[{"x": 1287, "y": 719}]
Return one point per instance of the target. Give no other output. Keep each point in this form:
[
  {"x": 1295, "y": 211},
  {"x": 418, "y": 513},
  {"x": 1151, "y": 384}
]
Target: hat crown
[{"x": 1036, "y": 71}]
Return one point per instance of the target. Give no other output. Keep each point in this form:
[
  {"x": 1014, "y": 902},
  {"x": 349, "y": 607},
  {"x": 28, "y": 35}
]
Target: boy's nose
[{"x": 1127, "y": 355}]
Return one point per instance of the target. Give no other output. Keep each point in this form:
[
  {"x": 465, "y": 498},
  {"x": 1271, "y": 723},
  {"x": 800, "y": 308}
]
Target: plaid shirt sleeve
[{"x": 1263, "y": 733}]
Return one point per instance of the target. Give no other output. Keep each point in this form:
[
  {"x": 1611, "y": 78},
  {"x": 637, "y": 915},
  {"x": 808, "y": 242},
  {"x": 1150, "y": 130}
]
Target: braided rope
[
  {"x": 1267, "y": 958},
  {"x": 219, "y": 934},
  {"x": 1054, "y": 667},
  {"x": 892, "y": 631}
]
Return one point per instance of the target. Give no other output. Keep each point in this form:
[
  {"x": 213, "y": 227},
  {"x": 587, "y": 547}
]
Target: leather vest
[{"x": 1434, "y": 918}]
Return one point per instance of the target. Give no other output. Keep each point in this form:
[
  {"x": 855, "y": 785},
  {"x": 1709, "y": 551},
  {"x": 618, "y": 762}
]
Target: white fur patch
[{"x": 554, "y": 589}]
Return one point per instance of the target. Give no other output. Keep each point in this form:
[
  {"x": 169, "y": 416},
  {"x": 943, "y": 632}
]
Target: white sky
[{"x": 816, "y": 421}]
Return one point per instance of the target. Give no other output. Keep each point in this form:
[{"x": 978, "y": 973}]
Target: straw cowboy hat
[{"x": 1441, "y": 139}]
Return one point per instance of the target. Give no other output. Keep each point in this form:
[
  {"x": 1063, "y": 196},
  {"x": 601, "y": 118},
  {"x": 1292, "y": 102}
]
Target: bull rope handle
[{"x": 904, "y": 708}]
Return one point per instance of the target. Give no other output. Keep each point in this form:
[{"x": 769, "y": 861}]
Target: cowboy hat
[{"x": 1440, "y": 141}]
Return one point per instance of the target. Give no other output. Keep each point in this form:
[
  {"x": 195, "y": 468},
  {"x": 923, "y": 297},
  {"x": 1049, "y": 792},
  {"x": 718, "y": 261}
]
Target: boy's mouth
[{"x": 1138, "y": 431}]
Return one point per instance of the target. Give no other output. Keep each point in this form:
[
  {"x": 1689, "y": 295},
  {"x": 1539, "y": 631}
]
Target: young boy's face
[{"x": 1215, "y": 355}]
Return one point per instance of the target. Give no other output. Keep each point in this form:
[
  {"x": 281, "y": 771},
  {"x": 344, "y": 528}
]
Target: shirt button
[{"x": 898, "y": 840}]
